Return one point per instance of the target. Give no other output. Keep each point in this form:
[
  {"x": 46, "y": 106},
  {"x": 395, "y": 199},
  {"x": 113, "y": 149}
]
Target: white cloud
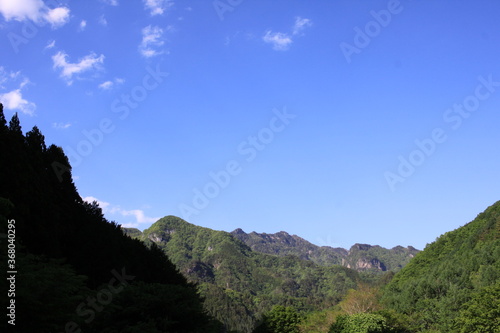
[
  {"x": 151, "y": 41},
  {"x": 13, "y": 100},
  {"x": 139, "y": 216},
  {"x": 108, "y": 85},
  {"x": 157, "y": 7},
  {"x": 279, "y": 40},
  {"x": 83, "y": 25},
  {"x": 34, "y": 10},
  {"x": 102, "y": 204},
  {"x": 300, "y": 24},
  {"x": 102, "y": 21},
  {"x": 21, "y": 10},
  {"x": 87, "y": 63},
  {"x": 50, "y": 44},
  {"x": 61, "y": 125},
  {"x": 57, "y": 17},
  {"x": 109, "y": 209}
]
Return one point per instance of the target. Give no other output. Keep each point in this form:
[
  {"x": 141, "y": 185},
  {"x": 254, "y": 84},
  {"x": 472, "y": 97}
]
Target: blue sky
[{"x": 340, "y": 121}]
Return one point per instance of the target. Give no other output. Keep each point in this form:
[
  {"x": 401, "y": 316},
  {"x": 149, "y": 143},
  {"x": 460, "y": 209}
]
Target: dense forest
[
  {"x": 243, "y": 276},
  {"x": 361, "y": 257},
  {"x": 78, "y": 272}
]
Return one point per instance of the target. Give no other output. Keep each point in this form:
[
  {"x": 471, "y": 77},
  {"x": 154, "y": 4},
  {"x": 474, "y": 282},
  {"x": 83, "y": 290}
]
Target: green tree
[
  {"x": 482, "y": 312},
  {"x": 360, "y": 323},
  {"x": 362, "y": 300},
  {"x": 280, "y": 319}
]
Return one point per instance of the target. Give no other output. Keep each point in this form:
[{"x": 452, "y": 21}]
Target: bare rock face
[
  {"x": 156, "y": 238},
  {"x": 364, "y": 264}
]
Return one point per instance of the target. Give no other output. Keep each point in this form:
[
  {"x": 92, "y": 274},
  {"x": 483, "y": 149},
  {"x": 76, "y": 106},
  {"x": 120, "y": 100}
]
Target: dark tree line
[{"x": 68, "y": 254}]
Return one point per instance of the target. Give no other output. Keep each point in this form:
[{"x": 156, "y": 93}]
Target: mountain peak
[{"x": 239, "y": 231}]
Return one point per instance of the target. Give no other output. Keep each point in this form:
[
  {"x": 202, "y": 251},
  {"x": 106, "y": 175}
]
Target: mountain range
[
  {"x": 77, "y": 271},
  {"x": 360, "y": 257},
  {"x": 241, "y": 276}
]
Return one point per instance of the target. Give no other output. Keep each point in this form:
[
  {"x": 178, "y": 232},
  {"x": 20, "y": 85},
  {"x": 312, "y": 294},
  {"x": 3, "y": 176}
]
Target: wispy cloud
[
  {"x": 61, "y": 125},
  {"x": 151, "y": 41},
  {"x": 13, "y": 98},
  {"x": 50, "y": 44},
  {"x": 57, "y": 17},
  {"x": 102, "y": 21},
  {"x": 87, "y": 63},
  {"x": 157, "y": 7},
  {"x": 83, "y": 25},
  {"x": 281, "y": 41},
  {"x": 111, "y": 2},
  {"x": 34, "y": 10},
  {"x": 116, "y": 210},
  {"x": 300, "y": 25},
  {"x": 108, "y": 85}
]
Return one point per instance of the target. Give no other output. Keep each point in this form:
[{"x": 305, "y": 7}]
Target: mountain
[
  {"x": 361, "y": 257},
  {"x": 453, "y": 285},
  {"x": 240, "y": 285},
  {"x": 72, "y": 270},
  {"x": 243, "y": 275}
]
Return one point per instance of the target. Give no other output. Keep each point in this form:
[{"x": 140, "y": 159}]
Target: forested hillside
[
  {"x": 361, "y": 257},
  {"x": 454, "y": 284},
  {"x": 76, "y": 271},
  {"x": 241, "y": 285}
]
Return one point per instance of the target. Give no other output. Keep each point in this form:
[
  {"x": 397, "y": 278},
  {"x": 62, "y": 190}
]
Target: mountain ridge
[
  {"x": 360, "y": 256},
  {"x": 282, "y": 243}
]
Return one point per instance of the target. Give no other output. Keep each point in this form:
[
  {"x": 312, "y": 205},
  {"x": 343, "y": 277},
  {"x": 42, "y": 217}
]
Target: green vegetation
[
  {"x": 280, "y": 319},
  {"x": 451, "y": 286},
  {"x": 361, "y": 257},
  {"x": 360, "y": 323},
  {"x": 79, "y": 272},
  {"x": 444, "y": 286},
  {"x": 76, "y": 270},
  {"x": 241, "y": 286}
]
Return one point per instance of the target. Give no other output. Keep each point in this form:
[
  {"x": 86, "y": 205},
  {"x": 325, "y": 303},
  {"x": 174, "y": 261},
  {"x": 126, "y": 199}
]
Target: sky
[{"x": 342, "y": 121}]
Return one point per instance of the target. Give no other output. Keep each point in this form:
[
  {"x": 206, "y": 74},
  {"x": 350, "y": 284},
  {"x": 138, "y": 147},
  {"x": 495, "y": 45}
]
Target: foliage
[
  {"x": 319, "y": 321},
  {"x": 67, "y": 251},
  {"x": 361, "y": 257},
  {"x": 361, "y": 300},
  {"x": 280, "y": 319},
  {"x": 482, "y": 312},
  {"x": 240, "y": 285},
  {"x": 360, "y": 323},
  {"x": 433, "y": 289}
]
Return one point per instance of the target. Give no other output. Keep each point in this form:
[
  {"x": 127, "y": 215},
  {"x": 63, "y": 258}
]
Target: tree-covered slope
[
  {"x": 447, "y": 286},
  {"x": 360, "y": 257},
  {"x": 239, "y": 284},
  {"x": 76, "y": 270}
]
